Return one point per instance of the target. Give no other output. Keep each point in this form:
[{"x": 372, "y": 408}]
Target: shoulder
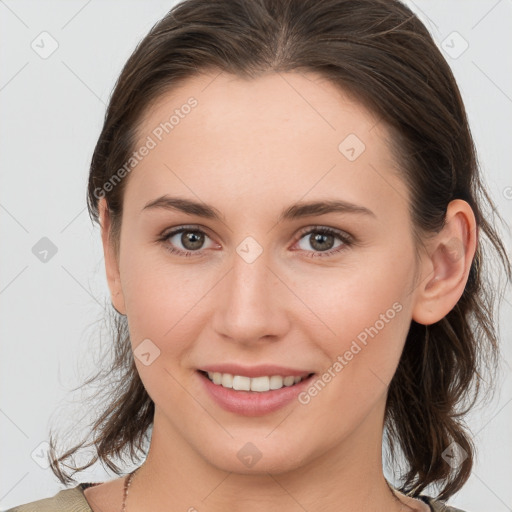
[
  {"x": 439, "y": 506},
  {"x": 424, "y": 502},
  {"x": 68, "y": 500}
]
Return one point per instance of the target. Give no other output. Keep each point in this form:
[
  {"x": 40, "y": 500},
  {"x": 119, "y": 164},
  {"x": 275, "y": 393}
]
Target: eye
[
  {"x": 188, "y": 241},
  {"x": 185, "y": 241},
  {"x": 323, "y": 241}
]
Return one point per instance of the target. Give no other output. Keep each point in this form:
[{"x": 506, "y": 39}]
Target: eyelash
[{"x": 343, "y": 237}]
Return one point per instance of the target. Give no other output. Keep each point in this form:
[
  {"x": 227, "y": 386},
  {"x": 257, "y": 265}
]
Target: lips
[{"x": 261, "y": 392}]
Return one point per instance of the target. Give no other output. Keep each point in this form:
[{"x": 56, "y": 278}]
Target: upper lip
[{"x": 255, "y": 371}]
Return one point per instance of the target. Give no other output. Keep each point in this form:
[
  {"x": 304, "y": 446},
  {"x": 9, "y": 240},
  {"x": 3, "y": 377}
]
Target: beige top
[{"x": 73, "y": 500}]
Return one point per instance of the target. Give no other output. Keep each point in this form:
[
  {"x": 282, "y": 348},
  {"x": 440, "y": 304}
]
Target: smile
[{"x": 258, "y": 384}]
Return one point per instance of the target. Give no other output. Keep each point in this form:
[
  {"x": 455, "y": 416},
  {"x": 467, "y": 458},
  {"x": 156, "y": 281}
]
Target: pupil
[
  {"x": 192, "y": 240},
  {"x": 318, "y": 239}
]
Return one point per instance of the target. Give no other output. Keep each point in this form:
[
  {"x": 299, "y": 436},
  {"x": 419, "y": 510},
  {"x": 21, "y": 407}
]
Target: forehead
[
  {"x": 293, "y": 133},
  {"x": 265, "y": 103}
]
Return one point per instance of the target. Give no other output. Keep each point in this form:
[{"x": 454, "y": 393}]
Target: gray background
[{"x": 51, "y": 114}]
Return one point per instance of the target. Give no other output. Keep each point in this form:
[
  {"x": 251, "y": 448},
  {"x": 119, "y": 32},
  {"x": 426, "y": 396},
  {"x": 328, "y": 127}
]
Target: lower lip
[{"x": 253, "y": 403}]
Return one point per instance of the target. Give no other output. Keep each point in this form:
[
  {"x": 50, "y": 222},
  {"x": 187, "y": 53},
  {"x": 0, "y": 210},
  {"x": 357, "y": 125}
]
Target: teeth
[
  {"x": 259, "y": 384},
  {"x": 276, "y": 382},
  {"x": 288, "y": 381},
  {"x": 227, "y": 380},
  {"x": 241, "y": 383}
]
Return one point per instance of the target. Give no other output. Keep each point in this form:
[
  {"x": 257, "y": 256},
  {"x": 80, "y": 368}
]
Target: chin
[{"x": 257, "y": 458}]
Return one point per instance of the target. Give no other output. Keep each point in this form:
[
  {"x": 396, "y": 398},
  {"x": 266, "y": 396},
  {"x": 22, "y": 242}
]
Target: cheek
[
  {"x": 364, "y": 313},
  {"x": 163, "y": 306},
  {"x": 159, "y": 297}
]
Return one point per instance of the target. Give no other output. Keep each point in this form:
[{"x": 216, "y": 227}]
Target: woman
[{"x": 292, "y": 222}]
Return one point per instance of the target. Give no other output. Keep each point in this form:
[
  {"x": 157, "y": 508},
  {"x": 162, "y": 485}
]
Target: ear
[
  {"x": 445, "y": 267},
  {"x": 111, "y": 261}
]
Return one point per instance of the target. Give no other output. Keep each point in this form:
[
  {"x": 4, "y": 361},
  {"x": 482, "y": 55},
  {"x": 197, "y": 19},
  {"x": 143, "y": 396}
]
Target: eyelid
[
  {"x": 335, "y": 231},
  {"x": 183, "y": 227}
]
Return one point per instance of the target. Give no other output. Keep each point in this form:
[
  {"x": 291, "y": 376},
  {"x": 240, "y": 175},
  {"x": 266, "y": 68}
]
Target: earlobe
[
  {"x": 446, "y": 267},
  {"x": 111, "y": 260}
]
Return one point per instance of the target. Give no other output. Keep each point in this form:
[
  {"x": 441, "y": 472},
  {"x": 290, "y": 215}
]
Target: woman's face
[{"x": 264, "y": 291}]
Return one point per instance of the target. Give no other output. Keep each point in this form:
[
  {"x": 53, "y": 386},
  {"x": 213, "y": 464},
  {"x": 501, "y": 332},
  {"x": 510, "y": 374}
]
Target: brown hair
[{"x": 380, "y": 52}]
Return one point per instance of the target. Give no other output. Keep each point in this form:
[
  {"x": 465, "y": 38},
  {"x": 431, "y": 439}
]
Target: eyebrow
[{"x": 295, "y": 211}]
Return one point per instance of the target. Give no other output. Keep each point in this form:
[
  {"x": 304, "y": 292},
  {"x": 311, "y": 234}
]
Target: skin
[{"x": 251, "y": 149}]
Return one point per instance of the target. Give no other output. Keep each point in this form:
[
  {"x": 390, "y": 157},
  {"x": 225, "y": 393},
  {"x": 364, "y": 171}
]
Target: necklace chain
[{"x": 127, "y": 483}]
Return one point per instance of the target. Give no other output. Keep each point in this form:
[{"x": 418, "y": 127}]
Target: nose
[{"x": 251, "y": 302}]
